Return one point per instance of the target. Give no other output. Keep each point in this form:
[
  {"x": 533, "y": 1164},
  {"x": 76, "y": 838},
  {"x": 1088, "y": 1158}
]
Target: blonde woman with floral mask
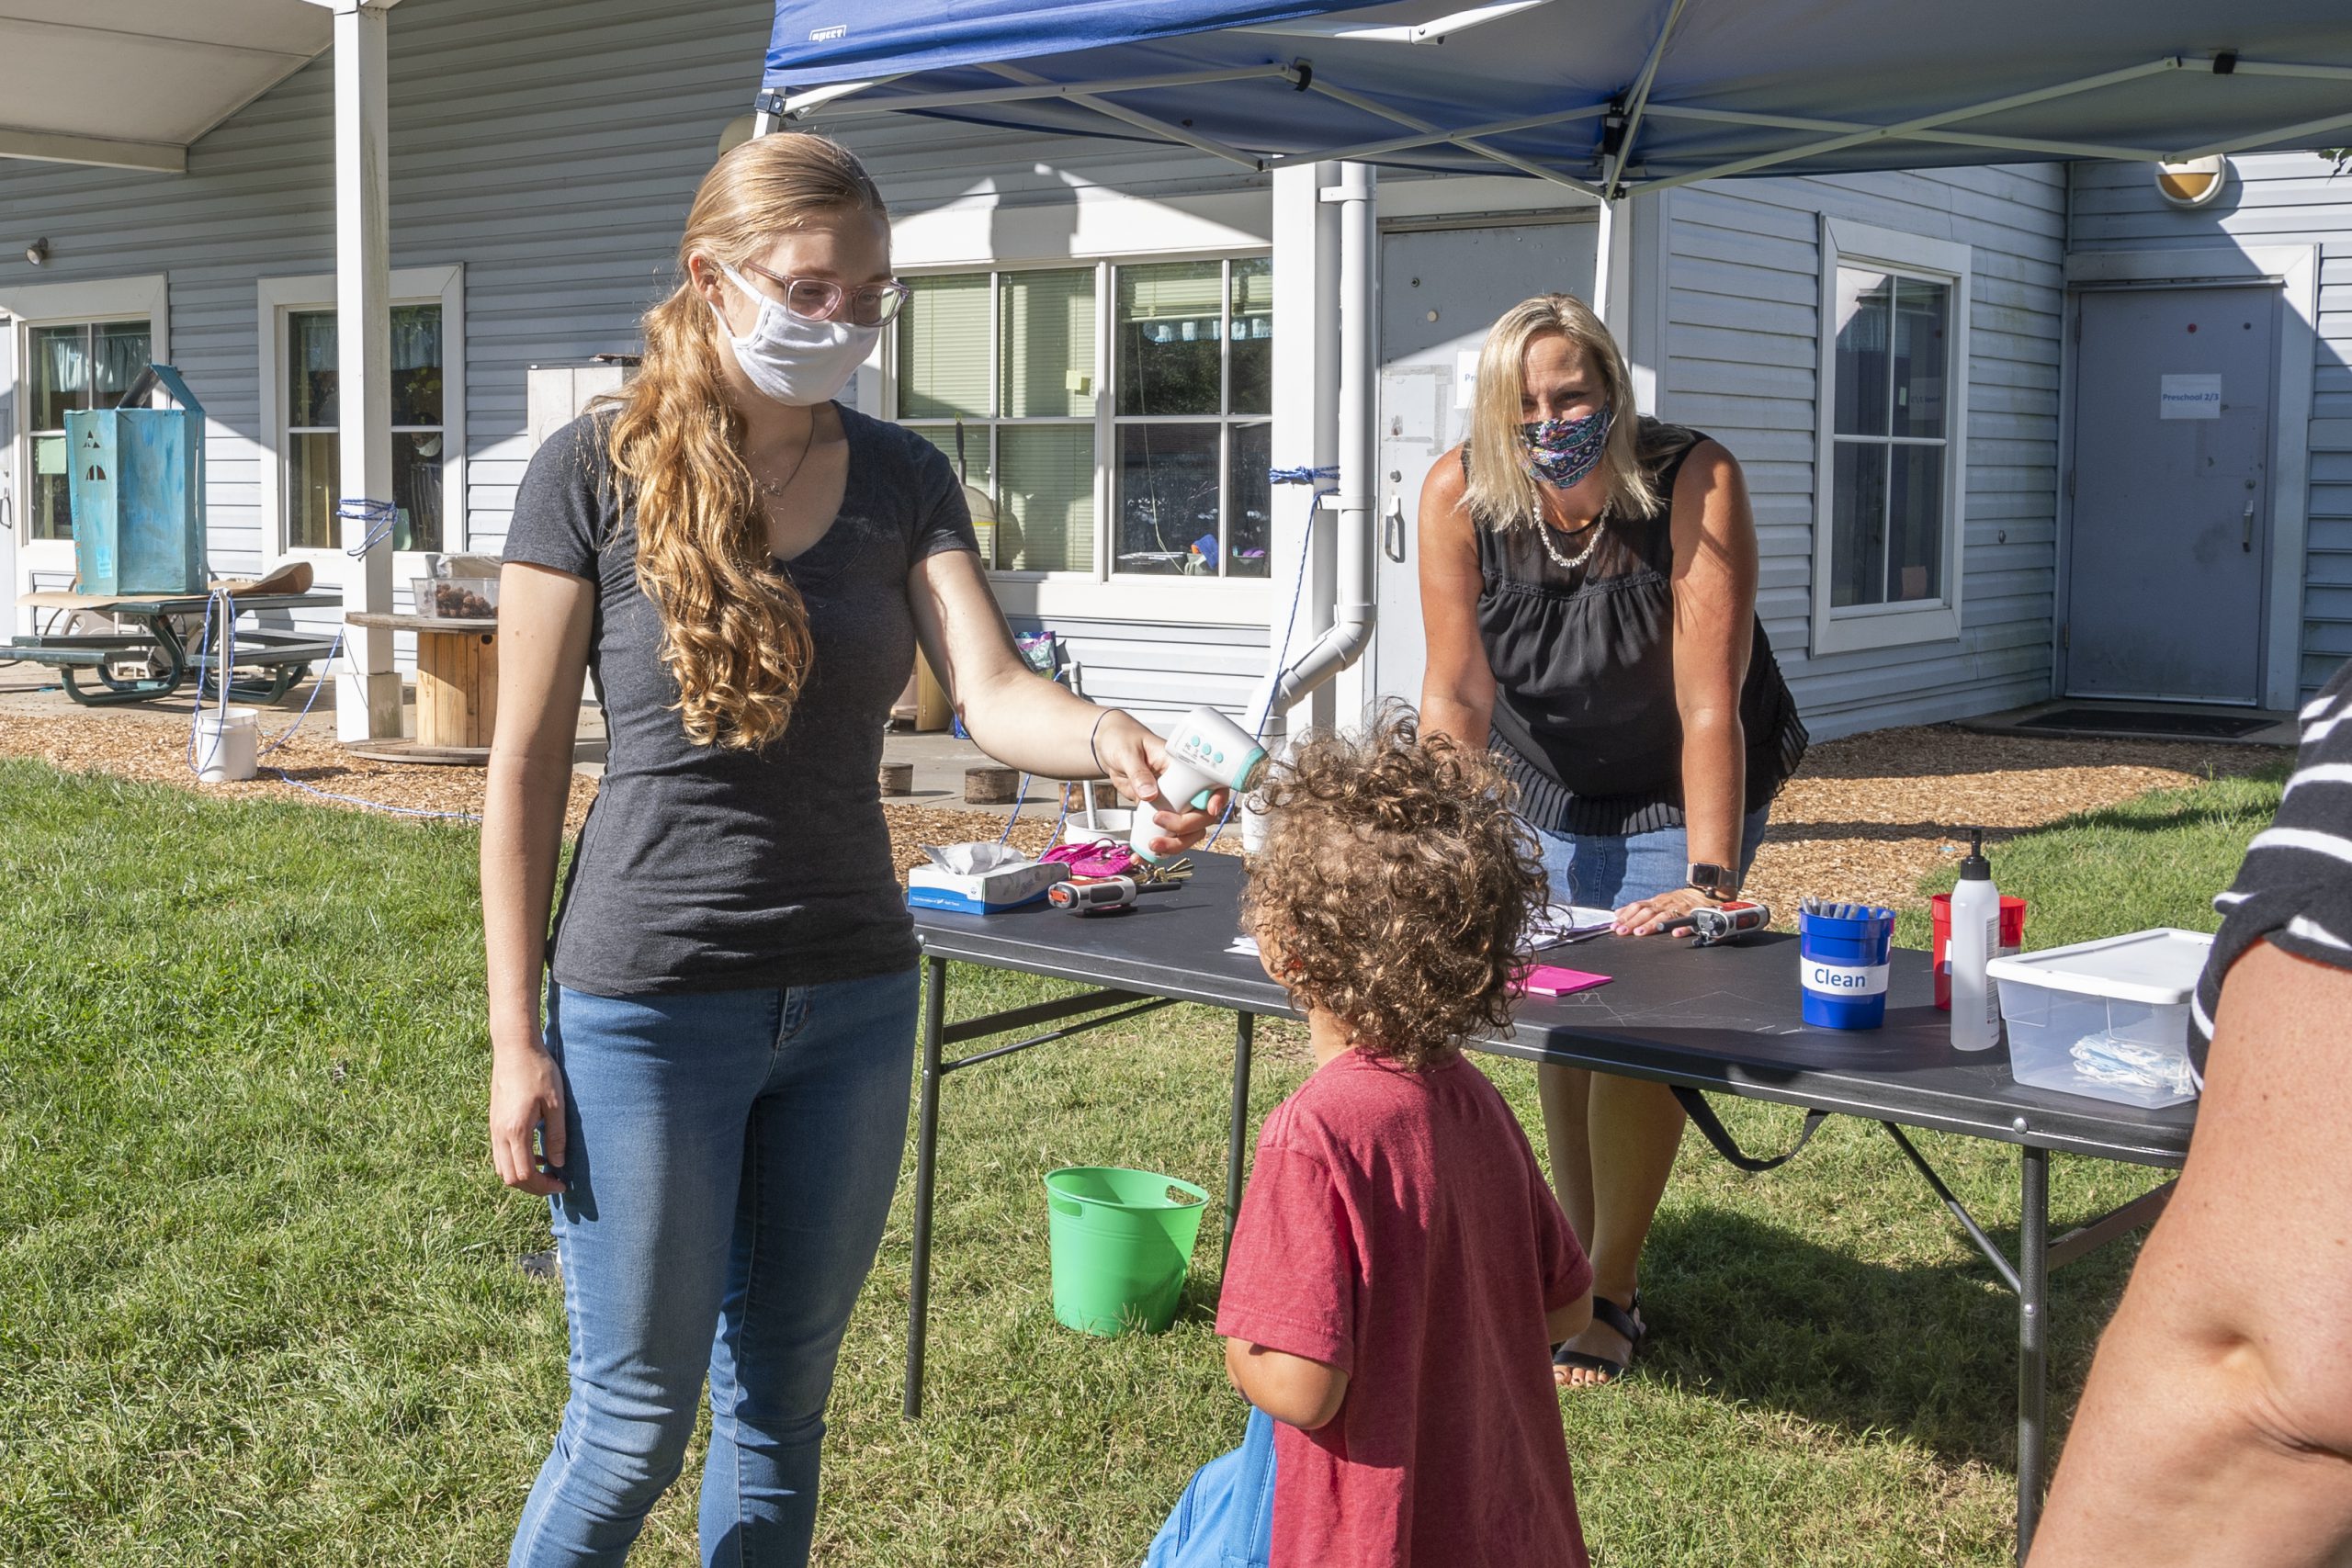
[
  {"x": 1589, "y": 594},
  {"x": 714, "y": 1099}
]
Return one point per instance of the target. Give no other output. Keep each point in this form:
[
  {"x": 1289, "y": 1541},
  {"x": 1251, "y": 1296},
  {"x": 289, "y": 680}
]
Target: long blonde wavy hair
[
  {"x": 1502, "y": 494},
  {"x": 734, "y": 632}
]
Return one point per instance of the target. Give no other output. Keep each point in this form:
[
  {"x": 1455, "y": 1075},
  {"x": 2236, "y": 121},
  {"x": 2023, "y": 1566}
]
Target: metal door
[
  {"x": 1439, "y": 291},
  {"x": 2171, "y": 485}
]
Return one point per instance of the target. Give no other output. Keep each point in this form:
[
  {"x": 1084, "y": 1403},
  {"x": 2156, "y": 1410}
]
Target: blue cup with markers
[{"x": 1842, "y": 964}]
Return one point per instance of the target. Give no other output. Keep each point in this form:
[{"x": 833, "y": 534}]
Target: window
[
  {"x": 1003, "y": 372},
  {"x": 313, "y": 453},
  {"x": 71, "y": 367},
  {"x": 1890, "y": 477}
]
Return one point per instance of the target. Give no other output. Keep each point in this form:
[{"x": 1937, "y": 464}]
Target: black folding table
[{"x": 1722, "y": 1019}]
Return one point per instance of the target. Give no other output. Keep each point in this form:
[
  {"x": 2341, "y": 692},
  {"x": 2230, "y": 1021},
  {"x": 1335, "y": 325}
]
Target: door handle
[
  {"x": 1392, "y": 530},
  {"x": 2246, "y": 541}
]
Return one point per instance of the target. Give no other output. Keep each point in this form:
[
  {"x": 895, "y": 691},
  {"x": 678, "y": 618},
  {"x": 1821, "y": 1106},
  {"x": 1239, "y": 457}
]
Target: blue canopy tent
[{"x": 1606, "y": 97}]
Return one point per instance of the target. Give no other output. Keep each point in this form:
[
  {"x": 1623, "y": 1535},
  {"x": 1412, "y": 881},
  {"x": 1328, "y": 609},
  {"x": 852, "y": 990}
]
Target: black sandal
[{"x": 1626, "y": 1320}]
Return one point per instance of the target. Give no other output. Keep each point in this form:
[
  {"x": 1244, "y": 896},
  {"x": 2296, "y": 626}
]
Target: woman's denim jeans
[
  {"x": 729, "y": 1160},
  {"x": 1608, "y": 871}
]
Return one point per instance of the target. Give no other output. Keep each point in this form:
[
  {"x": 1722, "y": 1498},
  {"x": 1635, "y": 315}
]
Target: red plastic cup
[{"x": 1939, "y": 915}]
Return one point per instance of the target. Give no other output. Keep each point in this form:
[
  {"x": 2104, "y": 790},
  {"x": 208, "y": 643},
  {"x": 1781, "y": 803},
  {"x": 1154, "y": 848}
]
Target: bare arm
[
  {"x": 543, "y": 620},
  {"x": 1289, "y": 1388},
  {"x": 1017, "y": 716},
  {"x": 1458, "y": 685},
  {"x": 2217, "y": 1425},
  {"x": 1714, "y": 619}
]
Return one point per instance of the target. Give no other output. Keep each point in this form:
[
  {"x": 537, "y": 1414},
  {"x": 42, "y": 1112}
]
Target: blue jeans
[
  {"x": 729, "y": 1160},
  {"x": 1608, "y": 871}
]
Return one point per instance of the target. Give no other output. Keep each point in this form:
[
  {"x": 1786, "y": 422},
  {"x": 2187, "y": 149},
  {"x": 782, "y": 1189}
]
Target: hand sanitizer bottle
[{"x": 1976, "y": 938}]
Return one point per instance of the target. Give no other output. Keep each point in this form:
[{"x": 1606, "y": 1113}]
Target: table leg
[
  {"x": 2033, "y": 1340},
  {"x": 1237, "y": 1138},
  {"x": 934, "y": 1017}
]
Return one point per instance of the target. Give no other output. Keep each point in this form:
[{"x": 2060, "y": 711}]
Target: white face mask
[{"x": 792, "y": 359}]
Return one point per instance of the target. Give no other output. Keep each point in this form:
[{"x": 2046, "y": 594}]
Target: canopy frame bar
[
  {"x": 2291, "y": 133},
  {"x": 1436, "y": 31},
  {"x": 1953, "y": 138},
  {"x": 1364, "y": 150},
  {"x": 1138, "y": 118},
  {"x": 1926, "y": 122},
  {"x": 1612, "y": 179},
  {"x": 1462, "y": 139}
]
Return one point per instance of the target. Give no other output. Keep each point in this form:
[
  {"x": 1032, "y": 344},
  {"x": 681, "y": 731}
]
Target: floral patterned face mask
[{"x": 1561, "y": 451}]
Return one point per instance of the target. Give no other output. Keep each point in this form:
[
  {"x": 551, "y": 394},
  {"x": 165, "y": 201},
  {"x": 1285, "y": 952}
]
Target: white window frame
[
  {"x": 1860, "y": 627},
  {"x": 1102, "y": 592},
  {"x": 278, "y": 298},
  {"x": 147, "y": 296}
]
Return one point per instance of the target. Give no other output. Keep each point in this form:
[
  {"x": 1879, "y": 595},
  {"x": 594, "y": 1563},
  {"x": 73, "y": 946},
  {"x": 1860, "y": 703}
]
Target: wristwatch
[{"x": 1717, "y": 882}]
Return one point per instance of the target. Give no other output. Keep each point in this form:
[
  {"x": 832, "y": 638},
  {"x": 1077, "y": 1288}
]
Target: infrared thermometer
[{"x": 1206, "y": 752}]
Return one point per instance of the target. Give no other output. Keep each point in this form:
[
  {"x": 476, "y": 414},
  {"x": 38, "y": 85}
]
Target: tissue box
[{"x": 982, "y": 892}]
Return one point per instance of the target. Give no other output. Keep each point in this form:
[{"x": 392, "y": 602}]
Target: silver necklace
[{"x": 1570, "y": 563}]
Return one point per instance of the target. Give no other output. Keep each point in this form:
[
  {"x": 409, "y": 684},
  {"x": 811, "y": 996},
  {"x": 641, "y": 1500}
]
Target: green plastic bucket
[{"x": 1122, "y": 1240}]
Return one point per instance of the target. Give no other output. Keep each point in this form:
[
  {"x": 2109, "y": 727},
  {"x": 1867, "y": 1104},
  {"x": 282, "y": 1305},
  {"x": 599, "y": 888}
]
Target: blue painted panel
[{"x": 137, "y": 491}]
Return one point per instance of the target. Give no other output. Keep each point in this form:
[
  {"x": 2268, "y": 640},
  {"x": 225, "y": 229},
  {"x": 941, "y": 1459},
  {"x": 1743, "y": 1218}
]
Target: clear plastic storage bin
[{"x": 2107, "y": 1019}]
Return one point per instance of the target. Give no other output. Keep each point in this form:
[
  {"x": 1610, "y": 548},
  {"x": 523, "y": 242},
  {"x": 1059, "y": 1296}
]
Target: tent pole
[{"x": 1605, "y": 283}]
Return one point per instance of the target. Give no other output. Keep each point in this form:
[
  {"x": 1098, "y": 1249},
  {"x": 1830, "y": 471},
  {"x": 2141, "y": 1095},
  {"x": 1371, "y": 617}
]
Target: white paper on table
[{"x": 1561, "y": 922}]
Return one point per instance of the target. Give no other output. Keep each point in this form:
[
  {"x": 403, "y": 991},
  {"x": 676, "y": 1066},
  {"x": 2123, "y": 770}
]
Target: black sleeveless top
[{"x": 1585, "y": 720}]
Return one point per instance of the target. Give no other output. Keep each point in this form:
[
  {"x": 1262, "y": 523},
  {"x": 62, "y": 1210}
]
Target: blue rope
[
  {"x": 1317, "y": 477},
  {"x": 380, "y": 517}
]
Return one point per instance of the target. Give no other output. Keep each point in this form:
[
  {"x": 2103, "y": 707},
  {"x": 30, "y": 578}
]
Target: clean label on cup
[{"x": 1845, "y": 979}]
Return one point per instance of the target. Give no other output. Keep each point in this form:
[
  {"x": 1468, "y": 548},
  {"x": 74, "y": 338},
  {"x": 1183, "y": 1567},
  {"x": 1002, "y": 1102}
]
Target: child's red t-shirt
[{"x": 1397, "y": 1227}]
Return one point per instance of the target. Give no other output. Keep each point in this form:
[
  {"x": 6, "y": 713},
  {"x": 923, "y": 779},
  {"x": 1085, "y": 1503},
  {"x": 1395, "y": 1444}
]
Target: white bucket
[{"x": 225, "y": 744}]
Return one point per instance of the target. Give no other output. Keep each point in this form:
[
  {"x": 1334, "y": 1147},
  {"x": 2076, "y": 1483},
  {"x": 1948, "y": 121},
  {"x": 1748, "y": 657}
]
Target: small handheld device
[
  {"x": 1708, "y": 926},
  {"x": 1206, "y": 752},
  {"x": 1099, "y": 896}
]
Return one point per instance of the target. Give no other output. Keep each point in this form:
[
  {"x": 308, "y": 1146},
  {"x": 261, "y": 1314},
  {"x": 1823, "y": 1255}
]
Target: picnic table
[
  {"x": 1721, "y": 1019},
  {"x": 277, "y": 657}
]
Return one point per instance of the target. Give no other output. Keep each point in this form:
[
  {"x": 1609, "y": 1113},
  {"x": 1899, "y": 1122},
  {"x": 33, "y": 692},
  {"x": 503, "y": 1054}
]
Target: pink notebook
[{"x": 1549, "y": 980}]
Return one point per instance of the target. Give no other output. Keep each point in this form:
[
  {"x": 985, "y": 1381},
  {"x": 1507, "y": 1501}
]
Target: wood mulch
[{"x": 1865, "y": 818}]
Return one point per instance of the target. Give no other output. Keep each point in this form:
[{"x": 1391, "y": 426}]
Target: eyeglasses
[{"x": 821, "y": 299}]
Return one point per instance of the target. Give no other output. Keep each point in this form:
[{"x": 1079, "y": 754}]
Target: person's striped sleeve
[{"x": 2294, "y": 888}]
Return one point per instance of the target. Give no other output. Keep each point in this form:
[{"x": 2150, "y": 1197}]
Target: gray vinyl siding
[
  {"x": 555, "y": 165},
  {"x": 1742, "y": 355},
  {"x": 1156, "y": 669},
  {"x": 2278, "y": 198}
]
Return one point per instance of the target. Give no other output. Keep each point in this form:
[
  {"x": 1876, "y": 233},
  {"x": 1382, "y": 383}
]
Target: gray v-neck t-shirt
[{"x": 706, "y": 869}]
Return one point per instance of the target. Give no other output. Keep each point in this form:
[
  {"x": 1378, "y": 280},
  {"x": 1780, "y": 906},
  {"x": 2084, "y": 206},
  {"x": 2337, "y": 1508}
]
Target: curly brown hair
[{"x": 1395, "y": 888}]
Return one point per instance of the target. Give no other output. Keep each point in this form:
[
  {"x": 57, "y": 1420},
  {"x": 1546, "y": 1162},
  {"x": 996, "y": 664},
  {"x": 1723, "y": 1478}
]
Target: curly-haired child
[{"x": 1401, "y": 1269}]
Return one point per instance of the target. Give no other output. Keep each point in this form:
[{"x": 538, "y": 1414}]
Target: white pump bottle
[{"x": 1975, "y": 939}]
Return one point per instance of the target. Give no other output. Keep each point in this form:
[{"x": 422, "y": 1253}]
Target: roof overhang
[{"x": 130, "y": 84}]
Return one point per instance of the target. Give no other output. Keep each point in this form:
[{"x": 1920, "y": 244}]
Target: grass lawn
[{"x": 259, "y": 1300}]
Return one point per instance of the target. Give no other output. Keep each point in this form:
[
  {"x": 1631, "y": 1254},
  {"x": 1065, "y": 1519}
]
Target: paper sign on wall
[
  {"x": 1465, "y": 377},
  {"x": 2189, "y": 397}
]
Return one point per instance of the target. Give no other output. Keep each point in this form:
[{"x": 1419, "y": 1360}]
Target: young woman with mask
[
  {"x": 716, "y": 1101},
  {"x": 1589, "y": 594}
]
